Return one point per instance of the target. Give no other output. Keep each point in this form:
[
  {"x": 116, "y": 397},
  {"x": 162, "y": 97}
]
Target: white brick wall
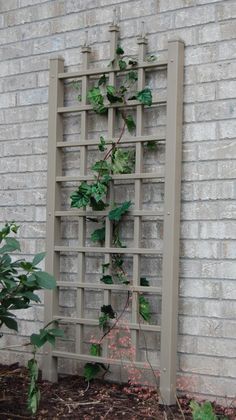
[{"x": 32, "y": 31}]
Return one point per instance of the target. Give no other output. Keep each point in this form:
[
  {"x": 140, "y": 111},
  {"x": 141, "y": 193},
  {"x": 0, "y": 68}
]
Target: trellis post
[
  {"x": 55, "y": 134},
  {"x": 171, "y": 222}
]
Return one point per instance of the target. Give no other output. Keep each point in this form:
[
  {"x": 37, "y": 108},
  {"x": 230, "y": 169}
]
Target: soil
[{"x": 73, "y": 398}]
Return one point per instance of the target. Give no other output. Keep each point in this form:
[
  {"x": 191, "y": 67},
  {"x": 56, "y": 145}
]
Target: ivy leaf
[
  {"x": 108, "y": 310},
  {"x": 130, "y": 123},
  {"x": 98, "y": 235},
  {"x": 103, "y": 320},
  {"x": 118, "y": 212},
  {"x": 151, "y": 145},
  {"x": 102, "y": 144},
  {"x": 91, "y": 370},
  {"x": 123, "y": 161},
  {"x": 144, "y": 308},
  {"x": 112, "y": 95},
  {"x": 97, "y": 205},
  {"x": 151, "y": 58},
  {"x": 132, "y": 76},
  {"x": 132, "y": 62},
  {"x": 105, "y": 267},
  {"x": 145, "y": 96},
  {"x": 103, "y": 80},
  {"x": 107, "y": 279},
  {"x": 81, "y": 197},
  {"x": 98, "y": 190},
  {"x": 119, "y": 50},
  {"x": 144, "y": 281},
  {"x": 102, "y": 167},
  {"x": 96, "y": 99},
  {"x": 122, "y": 65},
  {"x": 202, "y": 411},
  {"x": 95, "y": 349}
]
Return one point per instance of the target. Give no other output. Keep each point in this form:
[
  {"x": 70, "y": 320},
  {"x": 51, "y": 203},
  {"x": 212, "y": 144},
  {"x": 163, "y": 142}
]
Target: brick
[
  {"x": 33, "y": 96},
  {"x": 215, "y": 111},
  {"x": 7, "y": 100},
  {"x": 200, "y": 93},
  {"x": 199, "y": 249},
  {"x": 217, "y": 150},
  {"x": 10, "y": 4},
  {"x": 219, "y": 229},
  {"x": 21, "y": 82},
  {"x": 226, "y": 10},
  {"x": 227, "y": 50},
  {"x": 166, "y": 5},
  {"x": 199, "y": 131},
  {"x": 200, "y": 54},
  {"x": 217, "y": 32},
  {"x": 227, "y": 89},
  {"x": 195, "y": 16}
]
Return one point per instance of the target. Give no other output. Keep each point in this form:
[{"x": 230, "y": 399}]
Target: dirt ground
[{"x": 73, "y": 398}]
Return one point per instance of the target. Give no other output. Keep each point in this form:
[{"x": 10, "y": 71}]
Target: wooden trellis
[{"x": 171, "y": 214}]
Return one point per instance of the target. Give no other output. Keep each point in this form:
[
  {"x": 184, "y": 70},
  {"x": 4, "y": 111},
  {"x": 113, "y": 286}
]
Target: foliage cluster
[
  {"x": 19, "y": 280},
  {"x": 115, "y": 160}
]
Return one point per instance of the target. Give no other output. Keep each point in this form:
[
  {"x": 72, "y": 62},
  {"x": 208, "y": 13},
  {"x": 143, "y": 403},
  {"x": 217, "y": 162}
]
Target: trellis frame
[{"x": 171, "y": 215}]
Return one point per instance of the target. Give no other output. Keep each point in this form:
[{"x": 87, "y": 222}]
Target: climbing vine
[{"x": 115, "y": 160}]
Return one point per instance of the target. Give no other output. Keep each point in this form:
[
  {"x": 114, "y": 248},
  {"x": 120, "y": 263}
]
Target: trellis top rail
[{"x": 93, "y": 72}]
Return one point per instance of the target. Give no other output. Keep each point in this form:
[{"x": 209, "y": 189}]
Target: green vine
[{"x": 116, "y": 160}]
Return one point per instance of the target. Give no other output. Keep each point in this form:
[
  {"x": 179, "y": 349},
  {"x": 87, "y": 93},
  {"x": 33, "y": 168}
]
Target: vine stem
[{"x": 117, "y": 319}]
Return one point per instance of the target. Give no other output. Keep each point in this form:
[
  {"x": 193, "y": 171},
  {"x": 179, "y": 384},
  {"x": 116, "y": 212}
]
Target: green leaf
[
  {"x": 130, "y": 123},
  {"x": 132, "y": 76},
  {"x": 96, "y": 349},
  {"x": 202, "y": 411},
  {"x": 123, "y": 161},
  {"x": 117, "y": 213},
  {"x": 107, "y": 279},
  {"x": 112, "y": 95},
  {"x": 151, "y": 145},
  {"x": 98, "y": 235},
  {"x": 91, "y": 370},
  {"x": 144, "y": 282},
  {"x": 37, "y": 340},
  {"x": 11, "y": 245},
  {"x": 97, "y": 205},
  {"x": 45, "y": 280},
  {"x": 103, "y": 80},
  {"x": 38, "y": 258},
  {"x": 119, "y": 50},
  {"x": 144, "y": 308},
  {"x": 122, "y": 65},
  {"x": 145, "y": 96},
  {"x": 31, "y": 296},
  {"x": 102, "y": 167},
  {"x": 105, "y": 267},
  {"x": 151, "y": 58},
  {"x": 108, "y": 310},
  {"x": 102, "y": 144},
  {"x": 98, "y": 190},
  {"x": 55, "y": 332},
  {"x": 132, "y": 62},
  {"x": 81, "y": 197},
  {"x": 103, "y": 321},
  {"x": 9, "y": 322},
  {"x": 96, "y": 99}
]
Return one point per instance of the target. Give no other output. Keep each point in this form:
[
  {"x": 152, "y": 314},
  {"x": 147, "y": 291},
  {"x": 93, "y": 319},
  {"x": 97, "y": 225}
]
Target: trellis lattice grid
[{"x": 171, "y": 176}]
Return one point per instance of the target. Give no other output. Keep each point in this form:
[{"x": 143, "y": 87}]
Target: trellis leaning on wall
[{"x": 170, "y": 216}]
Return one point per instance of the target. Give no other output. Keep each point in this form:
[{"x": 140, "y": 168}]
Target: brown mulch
[{"x": 72, "y": 398}]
